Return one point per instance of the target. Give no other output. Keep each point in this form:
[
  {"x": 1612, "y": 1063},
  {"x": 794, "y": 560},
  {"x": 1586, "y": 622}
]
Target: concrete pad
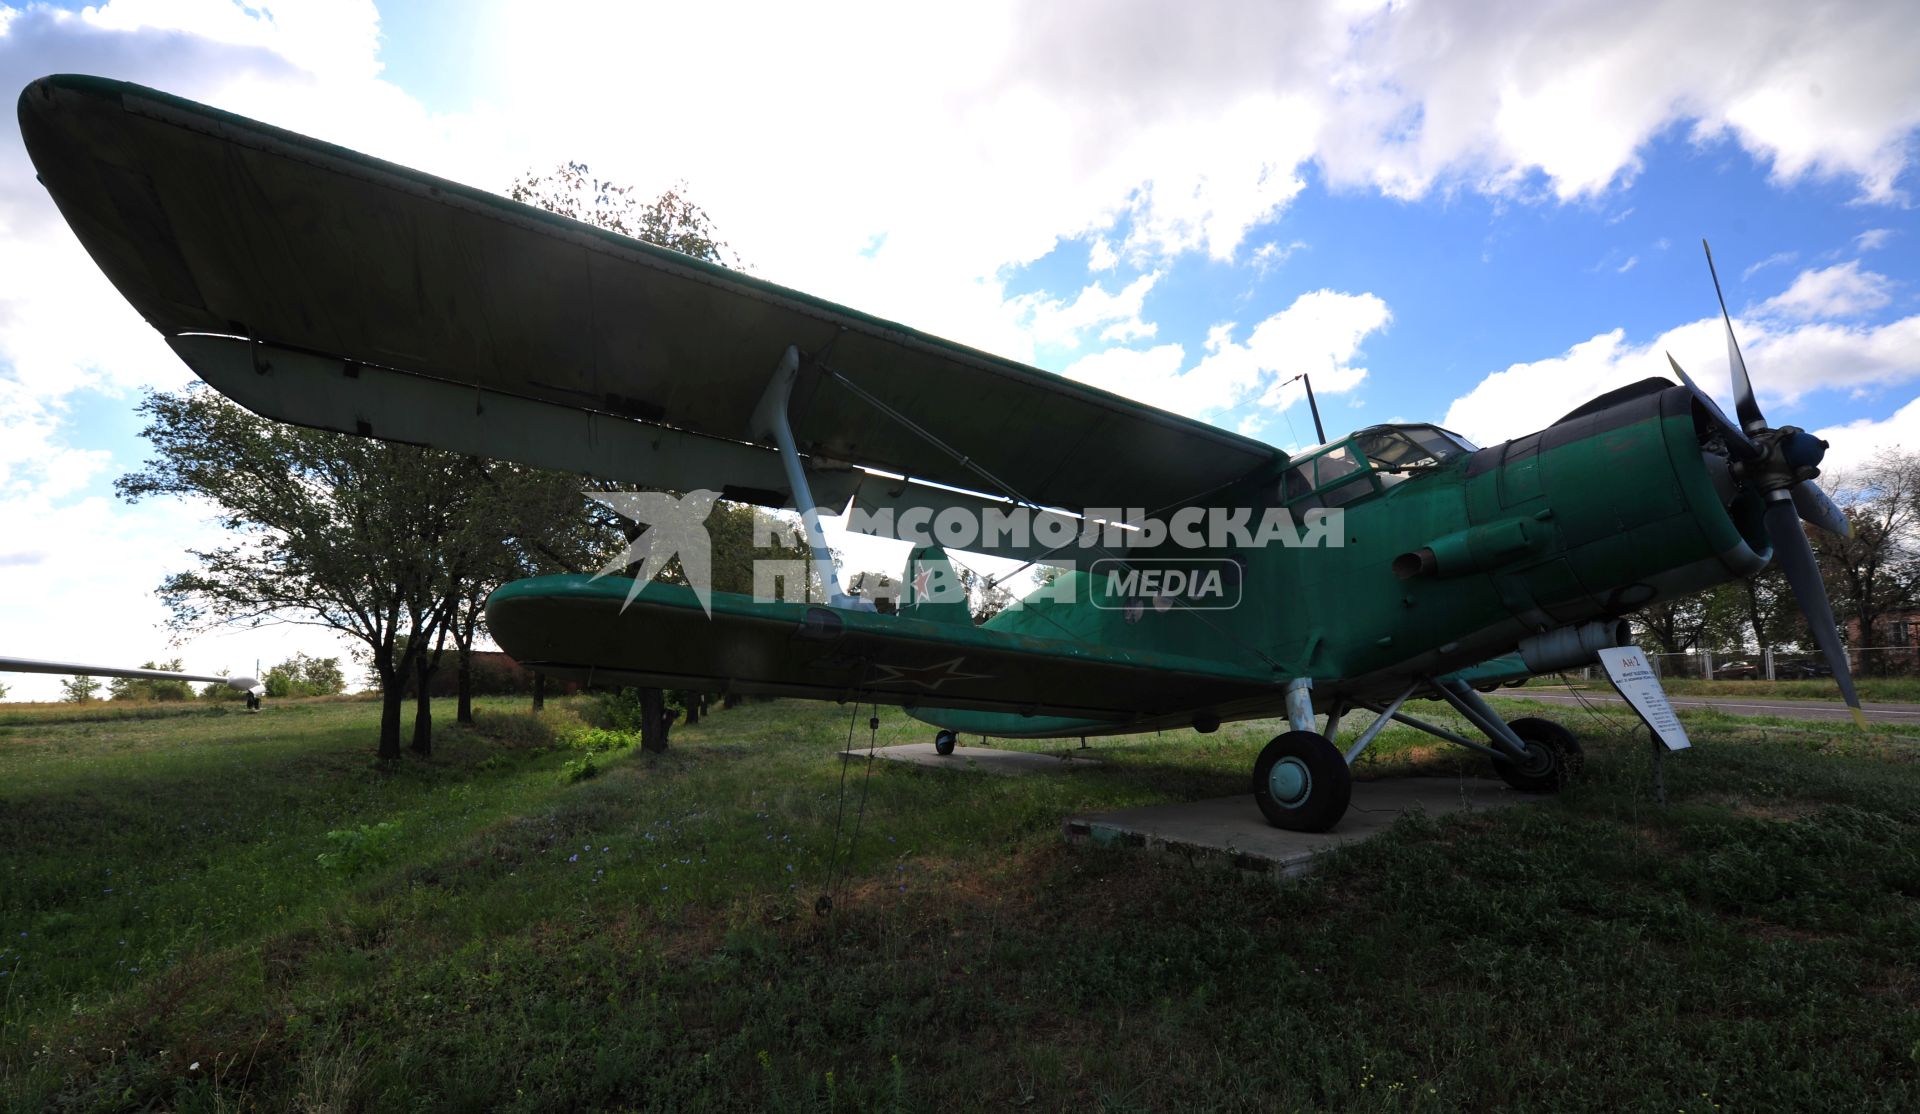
[
  {"x": 1007, "y": 763},
  {"x": 1230, "y": 832}
]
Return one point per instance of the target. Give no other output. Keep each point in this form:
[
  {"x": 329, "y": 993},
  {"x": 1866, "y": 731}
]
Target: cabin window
[
  {"x": 1299, "y": 481},
  {"x": 1358, "y": 487}
]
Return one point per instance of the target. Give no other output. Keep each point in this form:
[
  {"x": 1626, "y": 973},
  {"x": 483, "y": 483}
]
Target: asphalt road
[{"x": 1738, "y": 705}]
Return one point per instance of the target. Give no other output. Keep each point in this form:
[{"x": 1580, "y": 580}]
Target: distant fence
[{"x": 1878, "y": 661}]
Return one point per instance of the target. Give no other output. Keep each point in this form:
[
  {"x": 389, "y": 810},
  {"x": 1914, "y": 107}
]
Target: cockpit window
[
  {"x": 1401, "y": 448},
  {"x": 1335, "y": 464}
]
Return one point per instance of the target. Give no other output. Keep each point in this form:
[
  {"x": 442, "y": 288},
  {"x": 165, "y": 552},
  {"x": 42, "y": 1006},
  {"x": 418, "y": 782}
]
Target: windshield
[{"x": 1400, "y": 448}]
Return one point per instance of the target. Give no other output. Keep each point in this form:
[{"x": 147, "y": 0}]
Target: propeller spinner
[{"x": 1781, "y": 465}]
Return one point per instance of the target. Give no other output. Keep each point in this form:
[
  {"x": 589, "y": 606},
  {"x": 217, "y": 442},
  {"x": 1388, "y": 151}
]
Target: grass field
[
  {"x": 1892, "y": 690},
  {"x": 221, "y": 911}
]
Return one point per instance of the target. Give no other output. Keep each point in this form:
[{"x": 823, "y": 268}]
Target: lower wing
[{"x": 581, "y": 628}]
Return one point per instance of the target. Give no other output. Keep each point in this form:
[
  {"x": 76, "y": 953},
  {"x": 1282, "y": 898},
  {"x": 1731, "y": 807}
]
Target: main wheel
[
  {"x": 1302, "y": 783},
  {"x": 943, "y": 743},
  {"x": 1554, "y": 757}
]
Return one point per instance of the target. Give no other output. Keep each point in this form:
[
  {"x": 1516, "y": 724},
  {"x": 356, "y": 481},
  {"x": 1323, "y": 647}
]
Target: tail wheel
[
  {"x": 944, "y": 742},
  {"x": 1301, "y": 782},
  {"x": 1553, "y": 758}
]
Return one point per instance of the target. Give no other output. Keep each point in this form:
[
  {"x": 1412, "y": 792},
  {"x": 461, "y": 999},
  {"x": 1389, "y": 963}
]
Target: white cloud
[
  {"x": 1783, "y": 364},
  {"x": 1320, "y": 333},
  {"x": 1854, "y": 444},
  {"x": 1872, "y": 239},
  {"x": 1116, "y": 316},
  {"x": 1777, "y": 258},
  {"x": 1101, "y": 256},
  {"x": 93, "y": 565},
  {"x": 1842, "y": 290},
  {"x": 1489, "y": 93},
  {"x": 1632, "y": 261},
  {"x": 1273, "y": 253}
]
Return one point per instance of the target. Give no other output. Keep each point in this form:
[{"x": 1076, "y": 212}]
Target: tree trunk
[
  {"x": 693, "y": 708},
  {"x": 653, "y": 721},
  {"x": 465, "y": 714},
  {"x": 539, "y": 691},
  {"x": 392, "y": 695},
  {"x": 422, "y": 708},
  {"x": 729, "y": 700}
]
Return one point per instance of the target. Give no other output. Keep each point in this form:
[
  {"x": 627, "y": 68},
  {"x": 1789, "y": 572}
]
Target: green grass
[
  {"x": 1891, "y": 690},
  {"x": 252, "y": 895}
]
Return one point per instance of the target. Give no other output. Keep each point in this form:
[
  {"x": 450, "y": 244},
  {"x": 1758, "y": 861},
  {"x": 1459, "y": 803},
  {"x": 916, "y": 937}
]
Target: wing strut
[{"x": 770, "y": 420}]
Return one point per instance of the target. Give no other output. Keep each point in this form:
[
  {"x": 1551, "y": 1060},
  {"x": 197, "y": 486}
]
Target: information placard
[{"x": 1632, "y": 674}]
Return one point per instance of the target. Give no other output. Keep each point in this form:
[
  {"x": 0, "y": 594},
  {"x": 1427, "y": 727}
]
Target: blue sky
[{"x": 1482, "y": 214}]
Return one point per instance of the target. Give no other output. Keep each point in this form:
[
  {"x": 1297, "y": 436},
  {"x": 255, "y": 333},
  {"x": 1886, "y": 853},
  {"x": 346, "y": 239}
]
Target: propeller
[{"x": 1781, "y": 464}]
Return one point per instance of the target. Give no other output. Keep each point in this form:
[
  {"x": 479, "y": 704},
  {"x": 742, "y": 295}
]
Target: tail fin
[{"x": 932, "y": 589}]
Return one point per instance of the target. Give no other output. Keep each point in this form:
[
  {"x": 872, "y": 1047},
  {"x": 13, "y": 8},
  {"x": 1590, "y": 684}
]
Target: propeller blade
[
  {"x": 1795, "y": 557},
  {"x": 1739, "y": 446},
  {"x": 1816, "y": 508},
  {"x": 1743, "y": 401}
]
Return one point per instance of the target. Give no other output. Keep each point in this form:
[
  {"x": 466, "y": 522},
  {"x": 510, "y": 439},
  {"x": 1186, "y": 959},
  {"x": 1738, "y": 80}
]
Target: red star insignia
[
  {"x": 920, "y": 579},
  {"x": 930, "y": 677}
]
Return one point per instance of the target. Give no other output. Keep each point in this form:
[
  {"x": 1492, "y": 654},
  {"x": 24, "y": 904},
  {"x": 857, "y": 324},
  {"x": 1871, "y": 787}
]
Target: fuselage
[{"x": 1443, "y": 559}]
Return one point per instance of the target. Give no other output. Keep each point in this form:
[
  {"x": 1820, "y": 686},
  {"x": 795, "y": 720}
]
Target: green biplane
[{"x": 319, "y": 286}]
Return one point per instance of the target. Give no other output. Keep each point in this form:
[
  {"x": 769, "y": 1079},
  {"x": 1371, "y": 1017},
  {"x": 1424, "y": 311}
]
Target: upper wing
[{"x": 363, "y": 288}]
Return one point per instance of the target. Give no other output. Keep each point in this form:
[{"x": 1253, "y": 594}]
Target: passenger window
[
  {"x": 1298, "y": 483},
  {"x": 1357, "y": 488}
]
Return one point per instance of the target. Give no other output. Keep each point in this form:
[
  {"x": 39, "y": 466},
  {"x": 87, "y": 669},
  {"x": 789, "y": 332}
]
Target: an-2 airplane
[{"x": 323, "y": 287}]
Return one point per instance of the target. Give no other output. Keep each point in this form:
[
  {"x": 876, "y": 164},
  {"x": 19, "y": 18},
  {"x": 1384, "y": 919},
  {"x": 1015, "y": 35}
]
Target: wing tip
[{"x": 1859, "y": 717}]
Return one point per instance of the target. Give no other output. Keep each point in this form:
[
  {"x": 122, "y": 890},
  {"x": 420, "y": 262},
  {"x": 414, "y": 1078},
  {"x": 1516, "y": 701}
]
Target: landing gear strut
[{"x": 1303, "y": 783}]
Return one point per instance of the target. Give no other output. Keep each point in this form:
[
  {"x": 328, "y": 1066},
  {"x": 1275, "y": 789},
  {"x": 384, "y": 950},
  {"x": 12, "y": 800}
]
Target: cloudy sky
[{"x": 1479, "y": 213}]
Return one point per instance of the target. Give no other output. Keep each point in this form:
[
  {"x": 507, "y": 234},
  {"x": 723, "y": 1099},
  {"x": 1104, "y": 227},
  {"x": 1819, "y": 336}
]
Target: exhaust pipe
[{"x": 1573, "y": 647}]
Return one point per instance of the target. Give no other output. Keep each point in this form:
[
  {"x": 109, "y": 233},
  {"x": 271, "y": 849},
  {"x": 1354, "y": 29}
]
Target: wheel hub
[
  {"x": 1289, "y": 781},
  {"x": 1539, "y": 759}
]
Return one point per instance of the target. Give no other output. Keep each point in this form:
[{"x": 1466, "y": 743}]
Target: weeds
[{"x": 357, "y": 849}]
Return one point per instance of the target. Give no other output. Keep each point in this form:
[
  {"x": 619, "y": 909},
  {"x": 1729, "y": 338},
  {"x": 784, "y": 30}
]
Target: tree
[
  {"x": 334, "y": 531},
  {"x": 1710, "y": 619},
  {"x": 78, "y": 689},
  {"x": 301, "y": 675},
  {"x": 151, "y": 689},
  {"x": 671, "y": 221},
  {"x": 525, "y": 522},
  {"x": 1875, "y": 572},
  {"x": 3, "y": 692}
]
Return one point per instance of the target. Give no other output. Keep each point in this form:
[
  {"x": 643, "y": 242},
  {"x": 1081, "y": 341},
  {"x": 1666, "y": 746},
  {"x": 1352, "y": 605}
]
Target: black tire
[
  {"x": 944, "y": 742},
  {"x": 1555, "y": 757},
  {"x": 1301, "y": 782}
]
